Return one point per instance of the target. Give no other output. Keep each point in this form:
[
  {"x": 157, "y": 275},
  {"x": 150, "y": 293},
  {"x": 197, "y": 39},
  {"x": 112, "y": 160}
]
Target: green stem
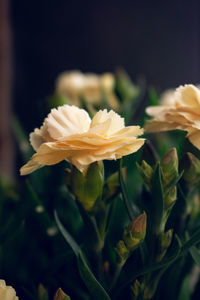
[
  {"x": 97, "y": 251},
  {"x": 116, "y": 275}
]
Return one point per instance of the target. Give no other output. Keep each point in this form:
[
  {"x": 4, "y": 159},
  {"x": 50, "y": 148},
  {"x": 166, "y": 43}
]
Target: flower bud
[
  {"x": 111, "y": 187},
  {"x": 169, "y": 166},
  {"x": 88, "y": 186},
  {"x": 191, "y": 166},
  {"x": 135, "y": 233},
  {"x": 60, "y": 295},
  {"x": 170, "y": 197},
  {"x": 147, "y": 172},
  {"x": 164, "y": 243},
  {"x": 42, "y": 292},
  {"x": 122, "y": 252},
  {"x": 135, "y": 289}
]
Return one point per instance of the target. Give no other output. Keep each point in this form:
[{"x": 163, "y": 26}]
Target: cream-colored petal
[
  {"x": 113, "y": 152},
  {"x": 30, "y": 167},
  {"x": 2, "y": 283},
  {"x": 46, "y": 155},
  {"x": 36, "y": 138},
  {"x": 116, "y": 122},
  {"x": 67, "y": 120},
  {"x": 101, "y": 129},
  {"x": 157, "y": 126},
  {"x": 7, "y": 292},
  {"x": 40, "y": 136},
  {"x": 131, "y": 148},
  {"x": 155, "y": 111},
  {"x": 71, "y": 82},
  {"x": 107, "y": 81},
  {"x": 167, "y": 98},
  {"x": 194, "y": 138},
  {"x": 129, "y": 131},
  {"x": 188, "y": 95}
]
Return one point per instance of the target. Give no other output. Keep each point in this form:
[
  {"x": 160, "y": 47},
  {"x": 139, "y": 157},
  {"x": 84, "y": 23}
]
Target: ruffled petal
[
  {"x": 187, "y": 95},
  {"x": 67, "y": 120},
  {"x": 113, "y": 119}
]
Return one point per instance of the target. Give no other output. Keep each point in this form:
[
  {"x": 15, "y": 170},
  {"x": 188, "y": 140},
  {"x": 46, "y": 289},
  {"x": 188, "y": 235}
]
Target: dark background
[{"x": 157, "y": 39}]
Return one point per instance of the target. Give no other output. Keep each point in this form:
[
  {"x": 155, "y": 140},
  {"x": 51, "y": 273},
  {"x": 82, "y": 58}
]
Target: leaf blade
[
  {"x": 94, "y": 287},
  {"x": 67, "y": 236}
]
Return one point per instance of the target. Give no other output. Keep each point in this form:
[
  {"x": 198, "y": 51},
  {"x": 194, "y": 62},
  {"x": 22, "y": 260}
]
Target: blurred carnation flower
[
  {"x": 69, "y": 133},
  {"x": 180, "y": 111},
  {"x": 91, "y": 87},
  {"x": 7, "y": 292},
  {"x": 167, "y": 97}
]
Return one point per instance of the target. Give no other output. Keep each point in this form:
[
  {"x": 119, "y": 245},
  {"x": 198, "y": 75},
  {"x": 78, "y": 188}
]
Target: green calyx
[{"x": 88, "y": 186}]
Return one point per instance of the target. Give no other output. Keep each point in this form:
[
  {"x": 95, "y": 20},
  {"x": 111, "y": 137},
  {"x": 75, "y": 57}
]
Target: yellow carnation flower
[
  {"x": 181, "y": 112},
  {"x": 7, "y": 292},
  {"x": 69, "y": 134},
  {"x": 90, "y": 86}
]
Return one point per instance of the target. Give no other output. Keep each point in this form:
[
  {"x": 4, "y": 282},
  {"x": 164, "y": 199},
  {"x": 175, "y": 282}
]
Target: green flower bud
[
  {"x": 42, "y": 293},
  {"x": 111, "y": 187},
  {"x": 88, "y": 186},
  {"x": 191, "y": 166},
  {"x": 170, "y": 197},
  {"x": 60, "y": 295},
  {"x": 146, "y": 172},
  {"x": 135, "y": 289},
  {"x": 135, "y": 233},
  {"x": 164, "y": 243},
  {"x": 169, "y": 166},
  {"x": 122, "y": 252}
]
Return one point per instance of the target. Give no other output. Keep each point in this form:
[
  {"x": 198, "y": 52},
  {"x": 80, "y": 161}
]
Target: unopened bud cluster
[{"x": 132, "y": 237}]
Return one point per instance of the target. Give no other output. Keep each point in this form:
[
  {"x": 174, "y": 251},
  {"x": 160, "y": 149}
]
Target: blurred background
[{"x": 155, "y": 40}]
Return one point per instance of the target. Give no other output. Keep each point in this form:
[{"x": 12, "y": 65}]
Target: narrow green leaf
[
  {"x": 94, "y": 287},
  {"x": 194, "y": 239},
  {"x": 185, "y": 293},
  {"x": 67, "y": 236},
  {"x": 195, "y": 253},
  {"x": 132, "y": 210}
]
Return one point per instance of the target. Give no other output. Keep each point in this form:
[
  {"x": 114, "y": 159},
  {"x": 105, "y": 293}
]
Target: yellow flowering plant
[{"x": 104, "y": 209}]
